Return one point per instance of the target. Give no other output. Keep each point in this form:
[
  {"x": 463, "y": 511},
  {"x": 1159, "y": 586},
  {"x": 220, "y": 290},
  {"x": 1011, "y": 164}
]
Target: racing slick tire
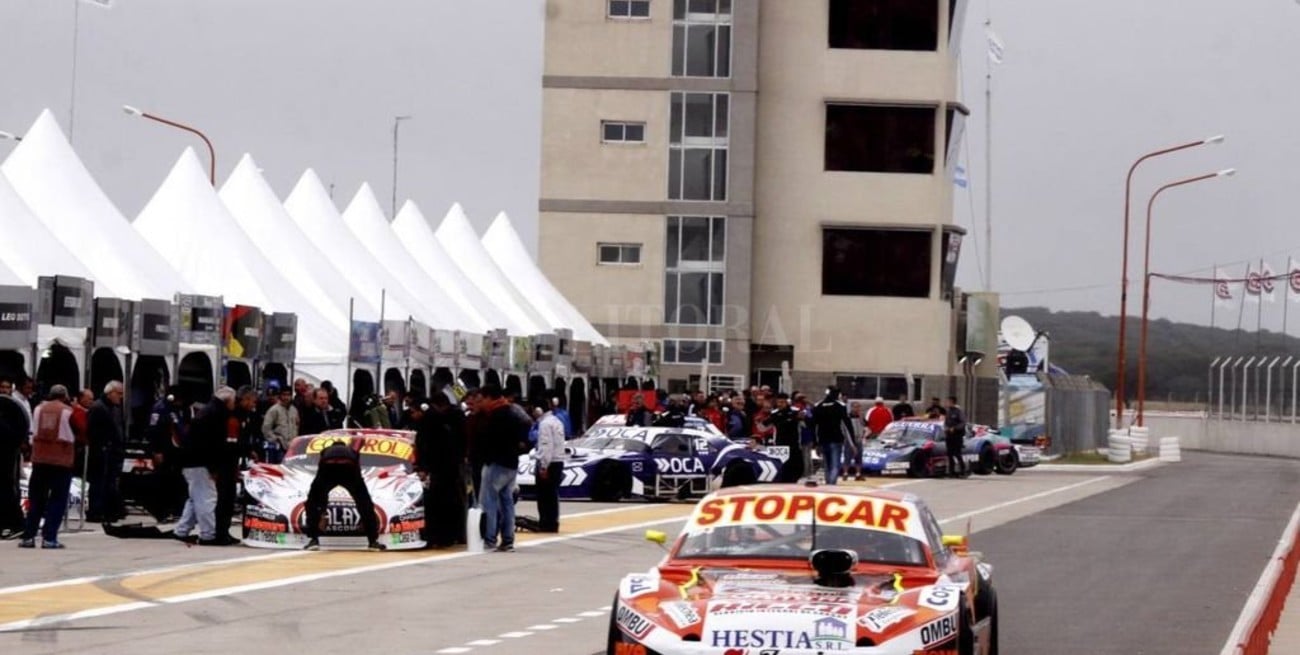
[
  {"x": 920, "y": 466},
  {"x": 986, "y": 463},
  {"x": 615, "y": 637},
  {"x": 611, "y": 482},
  {"x": 965, "y": 633},
  {"x": 986, "y": 605},
  {"x": 1008, "y": 463},
  {"x": 737, "y": 473}
]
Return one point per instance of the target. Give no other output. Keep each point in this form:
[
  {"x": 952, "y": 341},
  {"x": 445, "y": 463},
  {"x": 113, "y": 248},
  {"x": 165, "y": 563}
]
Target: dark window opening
[
  {"x": 884, "y": 24},
  {"x": 880, "y": 139},
  {"x": 867, "y": 262}
]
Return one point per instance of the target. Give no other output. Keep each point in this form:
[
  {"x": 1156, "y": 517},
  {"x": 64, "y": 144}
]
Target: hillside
[{"x": 1178, "y": 358}]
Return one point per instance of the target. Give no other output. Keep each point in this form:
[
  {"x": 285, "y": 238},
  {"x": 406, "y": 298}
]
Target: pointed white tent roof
[
  {"x": 460, "y": 241},
  {"x": 8, "y": 276},
  {"x": 507, "y": 250},
  {"x": 186, "y": 220},
  {"x": 258, "y": 211},
  {"x": 182, "y": 220},
  {"x": 55, "y": 184},
  {"x": 367, "y": 223},
  {"x": 415, "y": 234},
  {"x": 24, "y": 260},
  {"x": 311, "y": 209}
]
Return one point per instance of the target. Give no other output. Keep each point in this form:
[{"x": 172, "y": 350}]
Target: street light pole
[
  {"x": 1146, "y": 284},
  {"x": 397, "y": 122},
  {"x": 212, "y": 153},
  {"x": 9, "y": 136},
  {"x": 1121, "y": 369}
]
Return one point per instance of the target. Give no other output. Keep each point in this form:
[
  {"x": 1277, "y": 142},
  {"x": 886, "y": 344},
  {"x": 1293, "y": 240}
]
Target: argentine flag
[{"x": 959, "y": 177}]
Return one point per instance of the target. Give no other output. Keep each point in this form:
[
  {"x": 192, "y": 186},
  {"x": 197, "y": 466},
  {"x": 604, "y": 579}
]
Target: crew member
[
  {"x": 903, "y": 409},
  {"x": 13, "y": 445},
  {"x": 787, "y": 424},
  {"x": 340, "y": 466},
  {"x": 53, "y": 455},
  {"x": 550, "y": 469},
  {"x": 279, "y": 427},
  {"x": 832, "y": 427},
  {"x": 318, "y": 418},
  {"x": 200, "y": 457},
  {"x": 107, "y": 425},
  {"x": 638, "y": 415},
  {"x": 954, "y": 438},
  {"x": 440, "y": 454},
  {"x": 674, "y": 415},
  {"x": 167, "y": 422}
]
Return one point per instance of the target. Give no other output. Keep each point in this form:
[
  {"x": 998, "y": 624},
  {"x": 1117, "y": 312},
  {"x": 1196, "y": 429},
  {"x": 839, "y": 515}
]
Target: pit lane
[{"x": 1073, "y": 551}]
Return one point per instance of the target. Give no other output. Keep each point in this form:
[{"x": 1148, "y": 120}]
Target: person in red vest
[
  {"x": 878, "y": 418},
  {"x": 58, "y": 431}
]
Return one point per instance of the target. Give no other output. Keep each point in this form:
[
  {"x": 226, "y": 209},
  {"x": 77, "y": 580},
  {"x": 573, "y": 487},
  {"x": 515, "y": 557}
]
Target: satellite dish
[{"x": 1018, "y": 333}]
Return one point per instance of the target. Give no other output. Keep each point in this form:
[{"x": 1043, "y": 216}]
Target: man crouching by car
[{"x": 340, "y": 466}]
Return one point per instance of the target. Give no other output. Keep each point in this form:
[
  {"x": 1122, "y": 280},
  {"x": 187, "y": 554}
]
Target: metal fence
[
  {"x": 1078, "y": 413},
  {"x": 1254, "y": 388}
]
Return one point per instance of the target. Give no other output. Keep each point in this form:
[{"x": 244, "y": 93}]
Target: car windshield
[
  {"x": 909, "y": 433},
  {"x": 796, "y": 542},
  {"x": 613, "y": 444},
  {"x": 376, "y": 452}
]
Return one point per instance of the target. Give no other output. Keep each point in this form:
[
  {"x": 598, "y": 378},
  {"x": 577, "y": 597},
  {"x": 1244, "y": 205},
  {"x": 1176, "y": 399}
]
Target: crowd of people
[{"x": 467, "y": 451}]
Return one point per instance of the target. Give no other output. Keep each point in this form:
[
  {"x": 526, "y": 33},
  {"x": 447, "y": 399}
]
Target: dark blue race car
[
  {"x": 611, "y": 462},
  {"x": 917, "y": 449}
]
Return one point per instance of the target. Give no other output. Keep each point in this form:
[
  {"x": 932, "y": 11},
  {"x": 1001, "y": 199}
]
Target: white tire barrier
[
  {"x": 1141, "y": 436},
  {"x": 1170, "y": 451},
  {"x": 1120, "y": 449}
]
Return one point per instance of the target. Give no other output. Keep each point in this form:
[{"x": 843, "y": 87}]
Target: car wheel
[
  {"x": 991, "y": 605},
  {"x": 965, "y": 634},
  {"x": 615, "y": 637},
  {"x": 738, "y": 473},
  {"x": 986, "y": 462},
  {"x": 921, "y": 466},
  {"x": 1008, "y": 463},
  {"x": 610, "y": 482}
]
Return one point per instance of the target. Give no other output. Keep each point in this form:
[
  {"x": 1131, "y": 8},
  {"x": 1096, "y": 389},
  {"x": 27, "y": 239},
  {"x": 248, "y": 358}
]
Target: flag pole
[
  {"x": 1259, "y": 313},
  {"x": 1241, "y": 311},
  {"x": 1286, "y": 296},
  {"x": 1214, "y": 295}
]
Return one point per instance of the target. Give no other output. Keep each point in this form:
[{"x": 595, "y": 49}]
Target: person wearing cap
[
  {"x": 57, "y": 433},
  {"x": 878, "y": 418}
]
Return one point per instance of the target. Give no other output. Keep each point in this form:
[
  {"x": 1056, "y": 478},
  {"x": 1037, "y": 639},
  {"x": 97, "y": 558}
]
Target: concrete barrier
[{"x": 1197, "y": 432}]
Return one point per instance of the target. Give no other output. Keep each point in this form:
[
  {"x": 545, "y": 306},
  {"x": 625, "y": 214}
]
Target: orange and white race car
[{"x": 806, "y": 570}]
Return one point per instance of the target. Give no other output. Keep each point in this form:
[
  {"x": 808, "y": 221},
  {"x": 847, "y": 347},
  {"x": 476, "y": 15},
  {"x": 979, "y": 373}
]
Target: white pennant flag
[
  {"x": 1293, "y": 280},
  {"x": 107, "y": 4},
  {"x": 1224, "y": 291},
  {"x": 1267, "y": 285},
  {"x": 1253, "y": 286},
  {"x": 996, "y": 49}
]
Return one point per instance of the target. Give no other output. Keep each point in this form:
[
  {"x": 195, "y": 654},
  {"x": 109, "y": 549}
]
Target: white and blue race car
[{"x": 611, "y": 462}]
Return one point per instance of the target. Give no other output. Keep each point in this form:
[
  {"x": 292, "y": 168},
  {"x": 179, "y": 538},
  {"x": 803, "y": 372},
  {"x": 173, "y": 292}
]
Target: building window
[
  {"x": 619, "y": 253},
  {"x": 695, "y": 270},
  {"x": 880, "y": 138},
  {"x": 622, "y": 132},
  {"x": 889, "y": 387},
  {"x": 702, "y": 38},
  {"x": 692, "y": 351},
  {"x": 629, "y": 8},
  {"x": 697, "y": 146},
  {"x": 876, "y": 262},
  {"x": 884, "y": 24}
]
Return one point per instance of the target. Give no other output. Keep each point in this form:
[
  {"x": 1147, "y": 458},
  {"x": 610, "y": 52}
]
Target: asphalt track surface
[{"x": 1157, "y": 561}]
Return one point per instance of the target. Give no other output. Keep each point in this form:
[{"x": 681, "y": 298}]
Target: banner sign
[
  {"x": 545, "y": 347},
  {"x": 281, "y": 344},
  {"x": 564, "y": 347},
  {"x": 469, "y": 351},
  {"x": 155, "y": 328},
  {"x": 364, "y": 342},
  {"x": 114, "y": 319},
  {"x": 445, "y": 349},
  {"x": 424, "y": 345},
  {"x": 66, "y": 301},
  {"x": 521, "y": 354},
  {"x": 242, "y": 332},
  {"x": 17, "y": 317},
  {"x": 583, "y": 357},
  {"x": 600, "y": 361},
  {"x": 499, "y": 350},
  {"x": 396, "y": 337},
  {"x": 951, "y": 254},
  {"x": 200, "y": 319}
]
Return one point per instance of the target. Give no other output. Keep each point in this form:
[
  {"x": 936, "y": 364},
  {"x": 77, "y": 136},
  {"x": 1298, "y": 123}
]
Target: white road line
[
  {"x": 455, "y": 649},
  {"x": 566, "y": 620},
  {"x": 483, "y": 642},
  {"x": 1009, "y": 503},
  {"x": 1263, "y": 588},
  {"x": 591, "y": 614},
  {"x": 515, "y": 635},
  {"x": 540, "y": 627}
]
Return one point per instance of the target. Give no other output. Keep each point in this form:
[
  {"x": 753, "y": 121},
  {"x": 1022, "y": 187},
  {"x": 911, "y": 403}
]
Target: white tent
[
  {"x": 187, "y": 221},
  {"x": 37, "y": 252},
  {"x": 311, "y": 209},
  {"x": 259, "y": 213},
  {"x": 366, "y": 220},
  {"x": 508, "y": 252},
  {"x": 415, "y": 234},
  {"x": 460, "y": 241},
  {"x": 51, "y": 179}
]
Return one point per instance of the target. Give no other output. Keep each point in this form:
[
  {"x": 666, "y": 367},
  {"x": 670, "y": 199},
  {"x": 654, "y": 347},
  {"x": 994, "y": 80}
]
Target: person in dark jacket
[
  {"x": 902, "y": 409},
  {"x": 14, "y": 429},
  {"x": 107, "y": 428},
  {"x": 241, "y": 426},
  {"x": 439, "y": 454},
  {"x": 638, "y": 415},
  {"x": 831, "y": 429},
  {"x": 673, "y": 416},
  {"x": 167, "y": 422},
  {"x": 502, "y": 438},
  {"x": 200, "y": 461},
  {"x": 788, "y": 425},
  {"x": 319, "y": 417},
  {"x": 340, "y": 466},
  {"x": 954, "y": 438}
]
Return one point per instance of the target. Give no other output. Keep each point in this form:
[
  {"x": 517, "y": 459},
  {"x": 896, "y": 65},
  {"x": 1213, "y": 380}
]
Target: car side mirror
[
  {"x": 956, "y": 543},
  {"x": 656, "y": 537}
]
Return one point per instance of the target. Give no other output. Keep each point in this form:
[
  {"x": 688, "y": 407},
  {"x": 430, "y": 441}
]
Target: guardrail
[{"x": 1253, "y": 633}]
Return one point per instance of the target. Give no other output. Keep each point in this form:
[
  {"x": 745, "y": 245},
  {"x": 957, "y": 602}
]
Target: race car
[
  {"x": 917, "y": 449},
  {"x": 807, "y": 570},
  {"x": 611, "y": 462},
  {"x": 695, "y": 422},
  {"x": 275, "y": 504},
  {"x": 75, "y": 493},
  {"x": 1029, "y": 439}
]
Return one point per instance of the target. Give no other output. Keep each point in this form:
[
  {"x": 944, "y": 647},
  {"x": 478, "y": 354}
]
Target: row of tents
[{"x": 231, "y": 285}]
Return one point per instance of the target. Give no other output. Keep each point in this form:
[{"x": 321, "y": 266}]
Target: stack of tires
[
  {"x": 1170, "y": 451},
  {"x": 1140, "y": 435},
  {"x": 1119, "y": 447}
]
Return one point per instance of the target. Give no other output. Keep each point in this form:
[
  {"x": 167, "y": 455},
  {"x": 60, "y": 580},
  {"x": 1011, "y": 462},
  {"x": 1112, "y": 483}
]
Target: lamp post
[
  {"x": 1120, "y": 369},
  {"x": 9, "y": 136},
  {"x": 1146, "y": 284},
  {"x": 397, "y": 122},
  {"x": 212, "y": 153}
]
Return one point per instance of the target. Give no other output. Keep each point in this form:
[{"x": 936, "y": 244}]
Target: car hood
[{"x": 283, "y": 485}]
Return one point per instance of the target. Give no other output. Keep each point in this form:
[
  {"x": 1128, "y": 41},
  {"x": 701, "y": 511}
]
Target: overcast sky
[{"x": 1085, "y": 88}]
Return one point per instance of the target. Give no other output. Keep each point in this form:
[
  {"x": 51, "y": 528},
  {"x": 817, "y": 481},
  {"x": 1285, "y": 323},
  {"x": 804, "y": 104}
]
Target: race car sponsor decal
[
  {"x": 632, "y": 622},
  {"x": 635, "y": 586},
  {"x": 573, "y": 476},
  {"x": 679, "y": 465},
  {"x": 681, "y": 613},
  {"x": 369, "y": 446},
  {"x": 939, "y": 630},
  {"x": 941, "y": 598},
  {"x": 824, "y": 633},
  {"x": 631, "y": 649},
  {"x": 802, "y": 508},
  {"x": 780, "y": 452},
  {"x": 794, "y": 608},
  {"x": 263, "y": 525},
  {"x": 882, "y": 617}
]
